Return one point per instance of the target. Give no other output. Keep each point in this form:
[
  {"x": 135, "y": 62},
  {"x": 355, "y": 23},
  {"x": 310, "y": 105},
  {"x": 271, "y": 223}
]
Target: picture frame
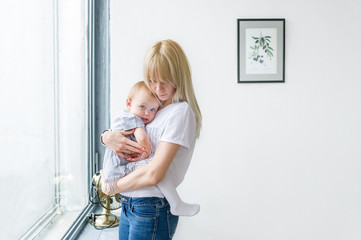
[{"x": 261, "y": 50}]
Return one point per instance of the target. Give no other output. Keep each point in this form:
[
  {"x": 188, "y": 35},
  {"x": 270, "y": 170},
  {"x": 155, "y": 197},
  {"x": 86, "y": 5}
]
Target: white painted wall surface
[{"x": 274, "y": 161}]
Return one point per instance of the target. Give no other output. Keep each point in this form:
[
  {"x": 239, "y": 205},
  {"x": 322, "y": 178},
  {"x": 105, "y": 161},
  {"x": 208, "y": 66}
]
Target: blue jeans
[{"x": 146, "y": 219}]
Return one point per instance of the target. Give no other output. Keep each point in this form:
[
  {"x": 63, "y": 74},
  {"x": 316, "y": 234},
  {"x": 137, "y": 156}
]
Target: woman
[{"x": 173, "y": 132}]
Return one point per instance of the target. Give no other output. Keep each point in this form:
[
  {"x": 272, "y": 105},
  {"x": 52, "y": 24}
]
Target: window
[{"x": 48, "y": 123}]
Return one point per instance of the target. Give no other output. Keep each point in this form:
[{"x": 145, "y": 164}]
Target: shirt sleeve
[
  {"x": 127, "y": 121},
  {"x": 180, "y": 127}
]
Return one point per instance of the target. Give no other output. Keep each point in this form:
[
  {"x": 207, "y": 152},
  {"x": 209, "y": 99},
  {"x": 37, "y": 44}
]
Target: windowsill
[
  {"x": 90, "y": 233},
  {"x": 58, "y": 226}
]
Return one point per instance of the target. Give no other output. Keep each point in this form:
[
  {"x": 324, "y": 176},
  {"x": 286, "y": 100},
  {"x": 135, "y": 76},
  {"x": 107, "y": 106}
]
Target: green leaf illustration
[{"x": 261, "y": 44}]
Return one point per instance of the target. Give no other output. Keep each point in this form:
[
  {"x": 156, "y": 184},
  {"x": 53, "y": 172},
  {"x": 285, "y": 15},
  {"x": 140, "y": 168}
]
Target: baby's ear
[{"x": 128, "y": 103}]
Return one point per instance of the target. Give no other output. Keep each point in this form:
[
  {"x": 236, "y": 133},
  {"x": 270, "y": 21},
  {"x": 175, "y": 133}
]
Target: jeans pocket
[
  {"x": 172, "y": 223},
  {"x": 144, "y": 212}
]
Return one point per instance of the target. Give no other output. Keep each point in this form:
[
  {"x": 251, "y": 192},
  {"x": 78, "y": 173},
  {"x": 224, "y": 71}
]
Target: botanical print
[{"x": 261, "y": 52}]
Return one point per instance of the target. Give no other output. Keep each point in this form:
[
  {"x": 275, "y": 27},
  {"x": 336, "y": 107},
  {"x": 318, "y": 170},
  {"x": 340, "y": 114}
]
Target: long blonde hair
[{"x": 167, "y": 61}]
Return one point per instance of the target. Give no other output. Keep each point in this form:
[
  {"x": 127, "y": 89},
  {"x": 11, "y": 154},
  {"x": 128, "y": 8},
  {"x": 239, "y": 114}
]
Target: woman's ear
[{"x": 128, "y": 103}]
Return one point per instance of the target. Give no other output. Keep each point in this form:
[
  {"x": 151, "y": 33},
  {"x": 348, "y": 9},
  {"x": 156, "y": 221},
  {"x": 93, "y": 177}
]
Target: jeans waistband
[{"x": 141, "y": 200}]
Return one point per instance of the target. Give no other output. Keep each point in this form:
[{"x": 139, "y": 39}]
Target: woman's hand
[{"x": 118, "y": 143}]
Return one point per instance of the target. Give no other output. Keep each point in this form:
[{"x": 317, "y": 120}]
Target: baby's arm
[{"x": 143, "y": 139}]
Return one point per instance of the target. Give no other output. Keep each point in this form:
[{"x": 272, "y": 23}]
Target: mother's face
[{"x": 164, "y": 90}]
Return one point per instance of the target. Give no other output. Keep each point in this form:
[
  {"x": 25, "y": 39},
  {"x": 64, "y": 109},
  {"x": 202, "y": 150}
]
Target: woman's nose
[{"x": 158, "y": 85}]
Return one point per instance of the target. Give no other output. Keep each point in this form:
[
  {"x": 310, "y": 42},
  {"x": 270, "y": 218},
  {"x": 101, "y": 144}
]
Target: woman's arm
[
  {"x": 150, "y": 174},
  {"x": 119, "y": 144}
]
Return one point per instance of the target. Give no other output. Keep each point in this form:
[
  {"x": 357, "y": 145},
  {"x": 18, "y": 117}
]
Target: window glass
[
  {"x": 27, "y": 115},
  {"x": 43, "y": 112}
]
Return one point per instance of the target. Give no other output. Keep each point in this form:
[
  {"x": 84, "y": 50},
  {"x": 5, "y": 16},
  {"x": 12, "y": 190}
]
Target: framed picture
[{"x": 261, "y": 50}]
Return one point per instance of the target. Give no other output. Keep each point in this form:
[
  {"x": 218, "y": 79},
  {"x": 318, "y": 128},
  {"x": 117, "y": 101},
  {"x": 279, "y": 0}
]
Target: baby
[{"x": 142, "y": 106}]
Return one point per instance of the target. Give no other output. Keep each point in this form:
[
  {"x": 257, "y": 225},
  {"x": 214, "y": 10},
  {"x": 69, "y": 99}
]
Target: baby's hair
[{"x": 139, "y": 86}]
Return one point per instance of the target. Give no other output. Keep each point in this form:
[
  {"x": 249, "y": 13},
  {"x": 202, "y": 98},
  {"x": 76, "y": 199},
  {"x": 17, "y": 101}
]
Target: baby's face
[{"x": 144, "y": 106}]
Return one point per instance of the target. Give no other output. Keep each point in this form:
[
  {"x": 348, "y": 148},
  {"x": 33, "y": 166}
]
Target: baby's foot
[{"x": 109, "y": 188}]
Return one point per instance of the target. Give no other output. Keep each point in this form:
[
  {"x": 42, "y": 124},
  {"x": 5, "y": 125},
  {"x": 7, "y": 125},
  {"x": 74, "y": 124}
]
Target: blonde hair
[
  {"x": 140, "y": 86},
  {"x": 166, "y": 60}
]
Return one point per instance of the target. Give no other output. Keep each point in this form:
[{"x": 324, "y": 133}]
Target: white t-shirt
[{"x": 176, "y": 123}]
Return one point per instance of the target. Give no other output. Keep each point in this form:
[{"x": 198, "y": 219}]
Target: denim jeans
[{"x": 146, "y": 219}]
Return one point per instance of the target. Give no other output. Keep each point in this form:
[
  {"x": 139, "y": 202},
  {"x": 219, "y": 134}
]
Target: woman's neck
[{"x": 166, "y": 103}]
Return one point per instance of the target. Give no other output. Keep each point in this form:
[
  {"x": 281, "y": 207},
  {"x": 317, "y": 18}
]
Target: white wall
[{"x": 274, "y": 161}]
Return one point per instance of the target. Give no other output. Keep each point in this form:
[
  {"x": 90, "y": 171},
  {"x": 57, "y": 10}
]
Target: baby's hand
[
  {"x": 138, "y": 157},
  {"x": 144, "y": 156}
]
